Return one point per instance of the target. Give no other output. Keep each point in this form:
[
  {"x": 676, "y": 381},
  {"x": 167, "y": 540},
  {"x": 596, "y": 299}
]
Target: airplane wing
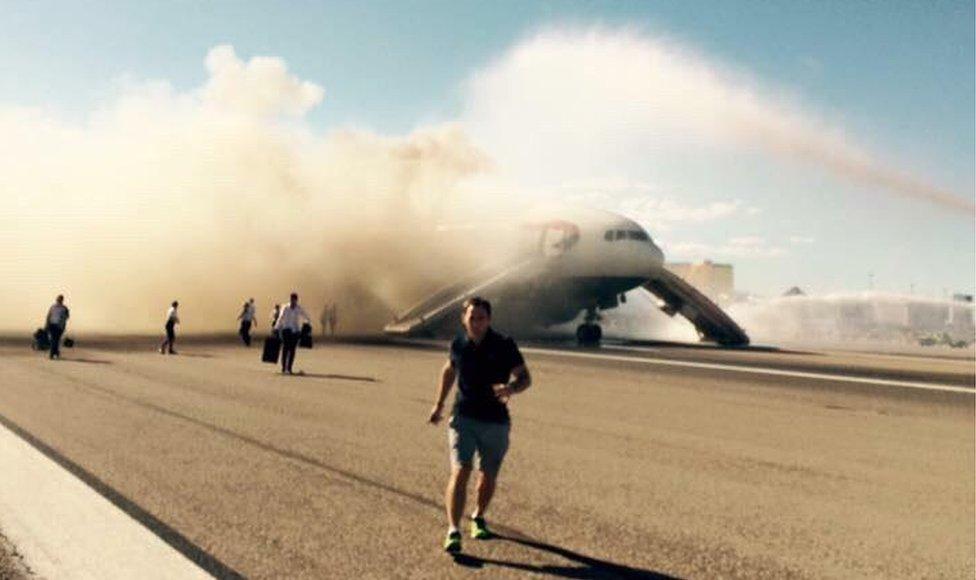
[
  {"x": 680, "y": 297},
  {"x": 427, "y": 315}
]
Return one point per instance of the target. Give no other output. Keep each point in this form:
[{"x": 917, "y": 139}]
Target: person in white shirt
[
  {"x": 248, "y": 317},
  {"x": 289, "y": 325},
  {"x": 172, "y": 319},
  {"x": 57, "y": 320}
]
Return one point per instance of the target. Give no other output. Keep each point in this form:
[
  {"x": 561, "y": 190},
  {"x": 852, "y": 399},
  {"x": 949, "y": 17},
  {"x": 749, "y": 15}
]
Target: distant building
[
  {"x": 794, "y": 291},
  {"x": 714, "y": 280}
]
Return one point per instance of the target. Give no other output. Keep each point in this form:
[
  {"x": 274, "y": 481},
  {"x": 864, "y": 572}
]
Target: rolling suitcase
[{"x": 272, "y": 348}]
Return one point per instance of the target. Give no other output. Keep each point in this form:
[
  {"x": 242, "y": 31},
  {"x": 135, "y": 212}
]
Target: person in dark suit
[
  {"x": 57, "y": 321},
  {"x": 248, "y": 318}
]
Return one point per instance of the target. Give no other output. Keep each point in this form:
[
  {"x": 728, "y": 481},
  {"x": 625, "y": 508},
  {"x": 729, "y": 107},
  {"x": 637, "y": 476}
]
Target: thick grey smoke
[{"x": 218, "y": 194}]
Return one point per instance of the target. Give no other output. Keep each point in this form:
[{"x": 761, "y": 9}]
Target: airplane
[{"x": 579, "y": 261}]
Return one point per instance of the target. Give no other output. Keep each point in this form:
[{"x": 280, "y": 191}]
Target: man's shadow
[
  {"x": 334, "y": 376},
  {"x": 91, "y": 361},
  {"x": 588, "y": 568}
]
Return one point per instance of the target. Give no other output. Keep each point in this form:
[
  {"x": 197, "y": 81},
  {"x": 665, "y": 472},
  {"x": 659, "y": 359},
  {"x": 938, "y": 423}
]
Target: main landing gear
[{"x": 589, "y": 333}]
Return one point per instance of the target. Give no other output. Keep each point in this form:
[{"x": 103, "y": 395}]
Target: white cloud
[
  {"x": 666, "y": 213},
  {"x": 747, "y": 241},
  {"x": 643, "y": 202},
  {"x": 748, "y": 247},
  {"x": 798, "y": 240},
  {"x": 261, "y": 86},
  {"x": 610, "y": 186}
]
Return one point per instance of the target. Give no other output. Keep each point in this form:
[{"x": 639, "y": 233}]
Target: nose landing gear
[{"x": 589, "y": 333}]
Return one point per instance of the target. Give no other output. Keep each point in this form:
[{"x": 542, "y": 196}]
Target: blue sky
[{"x": 897, "y": 77}]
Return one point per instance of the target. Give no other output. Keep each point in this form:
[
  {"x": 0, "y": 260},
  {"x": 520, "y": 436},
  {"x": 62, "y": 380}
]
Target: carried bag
[
  {"x": 41, "y": 341},
  {"x": 305, "y": 338},
  {"x": 272, "y": 348}
]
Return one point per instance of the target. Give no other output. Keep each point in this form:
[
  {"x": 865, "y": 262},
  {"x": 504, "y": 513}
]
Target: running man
[{"x": 483, "y": 362}]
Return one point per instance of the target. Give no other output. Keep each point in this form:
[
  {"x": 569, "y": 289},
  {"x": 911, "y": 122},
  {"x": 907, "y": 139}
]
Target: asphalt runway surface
[{"x": 619, "y": 467}]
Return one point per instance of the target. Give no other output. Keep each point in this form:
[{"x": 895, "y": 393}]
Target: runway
[{"x": 623, "y": 463}]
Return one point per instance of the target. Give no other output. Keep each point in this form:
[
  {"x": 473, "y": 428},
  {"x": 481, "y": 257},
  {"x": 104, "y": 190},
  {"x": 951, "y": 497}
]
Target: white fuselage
[{"x": 568, "y": 262}]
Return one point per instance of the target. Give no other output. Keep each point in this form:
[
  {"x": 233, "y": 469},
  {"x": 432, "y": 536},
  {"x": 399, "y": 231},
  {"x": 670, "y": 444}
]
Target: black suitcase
[
  {"x": 41, "y": 341},
  {"x": 272, "y": 348},
  {"x": 305, "y": 338}
]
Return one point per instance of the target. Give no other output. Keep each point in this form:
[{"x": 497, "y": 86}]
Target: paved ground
[{"x": 617, "y": 468}]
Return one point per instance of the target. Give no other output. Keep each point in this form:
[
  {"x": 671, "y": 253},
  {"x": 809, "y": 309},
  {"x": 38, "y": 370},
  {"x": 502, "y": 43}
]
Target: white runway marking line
[
  {"x": 756, "y": 370},
  {"x": 65, "y": 529}
]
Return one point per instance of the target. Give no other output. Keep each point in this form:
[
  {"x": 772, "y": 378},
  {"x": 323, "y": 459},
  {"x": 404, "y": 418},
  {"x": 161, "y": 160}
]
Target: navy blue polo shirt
[{"x": 478, "y": 367}]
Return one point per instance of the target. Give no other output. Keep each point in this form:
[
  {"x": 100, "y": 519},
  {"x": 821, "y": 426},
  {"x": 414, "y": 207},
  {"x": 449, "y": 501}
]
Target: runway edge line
[
  {"x": 755, "y": 370},
  {"x": 68, "y": 523}
]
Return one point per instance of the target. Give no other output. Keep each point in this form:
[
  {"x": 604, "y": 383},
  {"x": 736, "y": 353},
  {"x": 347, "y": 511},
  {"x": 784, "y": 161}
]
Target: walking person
[
  {"x": 275, "y": 313},
  {"x": 57, "y": 320},
  {"x": 328, "y": 320},
  {"x": 489, "y": 369},
  {"x": 324, "y": 319},
  {"x": 333, "y": 318},
  {"x": 289, "y": 324},
  {"x": 248, "y": 317},
  {"x": 172, "y": 319}
]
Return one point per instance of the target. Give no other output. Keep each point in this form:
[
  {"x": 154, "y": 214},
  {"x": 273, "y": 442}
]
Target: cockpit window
[
  {"x": 621, "y": 234},
  {"x": 608, "y": 236},
  {"x": 638, "y": 235}
]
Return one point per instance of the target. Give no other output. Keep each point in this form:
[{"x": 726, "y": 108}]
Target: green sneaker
[
  {"x": 452, "y": 543},
  {"x": 479, "y": 529}
]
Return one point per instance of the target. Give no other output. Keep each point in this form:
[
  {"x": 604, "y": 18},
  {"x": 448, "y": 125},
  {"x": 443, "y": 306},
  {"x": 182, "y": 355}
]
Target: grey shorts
[{"x": 466, "y": 435}]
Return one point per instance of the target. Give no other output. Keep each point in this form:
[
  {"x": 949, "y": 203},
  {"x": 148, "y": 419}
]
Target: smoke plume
[
  {"x": 219, "y": 193},
  {"x": 215, "y": 195},
  {"x": 848, "y": 318},
  {"x": 568, "y": 98}
]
